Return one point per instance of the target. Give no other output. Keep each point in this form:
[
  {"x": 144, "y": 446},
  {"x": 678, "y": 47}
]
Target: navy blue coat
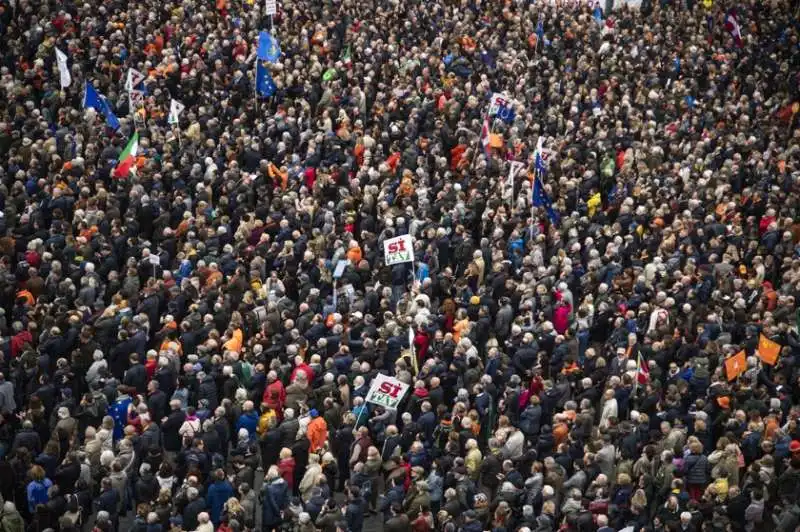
[
  {"x": 275, "y": 496},
  {"x": 218, "y": 494},
  {"x": 355, "y": 515}
]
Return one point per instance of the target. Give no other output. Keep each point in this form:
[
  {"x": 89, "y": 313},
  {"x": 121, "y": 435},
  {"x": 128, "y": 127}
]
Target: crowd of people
[{"x": 178, "y": 355}]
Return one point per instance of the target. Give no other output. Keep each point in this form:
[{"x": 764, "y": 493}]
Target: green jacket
[{"x": 11, "y": 522}]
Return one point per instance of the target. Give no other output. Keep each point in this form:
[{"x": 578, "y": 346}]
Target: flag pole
[
  {"x": 533, "y": 184},
  {"x": 478, "y": 147},
  {"x": 255, "y": 86},
  {"x": 358, "y": 419},
  {"x": 131, "y": 112}
]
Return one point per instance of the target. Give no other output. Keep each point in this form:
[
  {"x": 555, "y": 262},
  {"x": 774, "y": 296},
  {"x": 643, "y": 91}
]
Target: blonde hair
[
  {"x": 37, "y": 473},
  {"x": 234, "y": 506},
  {"x": 639, "y": 499},
  {"x": 285, "y": 453}
]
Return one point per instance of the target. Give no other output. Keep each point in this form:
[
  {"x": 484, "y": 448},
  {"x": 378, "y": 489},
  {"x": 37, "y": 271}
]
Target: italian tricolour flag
[{"x": 127, "y": 159}]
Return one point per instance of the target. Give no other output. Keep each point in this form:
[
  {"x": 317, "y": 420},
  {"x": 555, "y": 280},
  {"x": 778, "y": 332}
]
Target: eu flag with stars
[
  {"x": 111, "y": 119},
  {"x": 541, "y": 199},
  {"x": 268, "y": 47},
  {"x": 265, "y": 86},
  {"x": 539, "y": 163},
  {"x": 93, "y": 99}
]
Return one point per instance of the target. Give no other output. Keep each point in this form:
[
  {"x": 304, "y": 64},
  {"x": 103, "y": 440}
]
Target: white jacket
[{"x": 609, "y": 410}]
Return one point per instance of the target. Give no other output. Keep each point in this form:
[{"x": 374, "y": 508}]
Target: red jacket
[
  {"x": 275, "y": 395},
  {"x": 561, "y": 318},
  {"x": 18, "y": 341},
  {"x": 305, "y": 368},
  {"x": 150, "y": 366},
  {"x": 421, "y": 342},
  {"x": 286, "y": 468}
]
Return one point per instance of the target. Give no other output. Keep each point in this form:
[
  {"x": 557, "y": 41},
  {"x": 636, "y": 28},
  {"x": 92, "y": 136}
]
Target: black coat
[
  {"x": 208, "y": 391},
  {"x": 288, "y": 431},
  {"x": 136, "y": 376},
  {"x": 489, "y": 469},
  {"x": 169, "y": 430},
  {"x": 146, "y": 488},
  {"x": 157, "y": 405},
  {"x": 224, "y": 430},
  {"x": 66, "y": 476},
  {"x": 29, "y": 439},
  {"x": 166, "y": 380},
  {"x": 150, "y": 439},
  {"x": 108, "y": 501},
  {"x": 191, "y": 512}
]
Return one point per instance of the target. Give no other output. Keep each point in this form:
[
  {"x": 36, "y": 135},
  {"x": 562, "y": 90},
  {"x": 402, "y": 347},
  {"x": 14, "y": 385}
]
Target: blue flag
[
  {"x": 268, "y": 47},
  {"x": 539, "y": 163},
  {"x": 598, "y": 14},
  {"x": 265, "y": 86},
  {"x": 93, "y": 99},
  {"x": 541, "y": 199},
  {"x": 488, "y": 59},
  {"x": 540, "y": 30},
  {"x": 111, "y": 119},
  {"x": 506, "y": 113}
]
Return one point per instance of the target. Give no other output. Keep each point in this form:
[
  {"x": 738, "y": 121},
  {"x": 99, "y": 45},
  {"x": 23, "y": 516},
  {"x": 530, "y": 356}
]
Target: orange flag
[
  {"x": 735, "y": 365},
  {"x": 768, "y": 350},
  {"x": 495, "y": 141},
  {"x": 275, "y": 172}
]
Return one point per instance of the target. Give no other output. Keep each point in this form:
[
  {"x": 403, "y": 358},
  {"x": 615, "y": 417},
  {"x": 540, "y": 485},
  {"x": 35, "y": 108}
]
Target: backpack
[
  {"x": 366, "y": 488},
  {"x": 194, "y": 428},
  {"x": 441, "y": 434},
  {"x": 100, "y": 401},
  {"x": 74, "y": 513}
]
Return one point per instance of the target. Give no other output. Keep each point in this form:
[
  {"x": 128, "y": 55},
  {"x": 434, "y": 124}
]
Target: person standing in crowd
[{"x": 508, "y": 266}]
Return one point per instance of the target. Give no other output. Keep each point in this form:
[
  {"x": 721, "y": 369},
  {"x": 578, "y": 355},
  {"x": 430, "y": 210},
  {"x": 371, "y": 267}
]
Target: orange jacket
[
  {"x": 27, "y": 295},
  {"x": 317, "y": 433},
  {"x": 235, "y": 343}
]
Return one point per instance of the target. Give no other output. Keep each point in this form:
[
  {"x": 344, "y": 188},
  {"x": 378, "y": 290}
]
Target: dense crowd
[{"x": 178, "y": 355}]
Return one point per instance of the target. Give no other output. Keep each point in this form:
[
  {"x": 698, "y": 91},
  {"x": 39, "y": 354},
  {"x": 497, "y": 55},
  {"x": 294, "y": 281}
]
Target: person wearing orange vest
[{"x": 317, "y": 431}]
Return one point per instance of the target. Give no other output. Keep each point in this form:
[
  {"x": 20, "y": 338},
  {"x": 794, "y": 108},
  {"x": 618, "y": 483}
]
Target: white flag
[
  {"x": 508, "y": 186},
  {"x": 134, "y": 78},
  {"x": 175, "y": 110},
  {"x": 63, "y": 69}
]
